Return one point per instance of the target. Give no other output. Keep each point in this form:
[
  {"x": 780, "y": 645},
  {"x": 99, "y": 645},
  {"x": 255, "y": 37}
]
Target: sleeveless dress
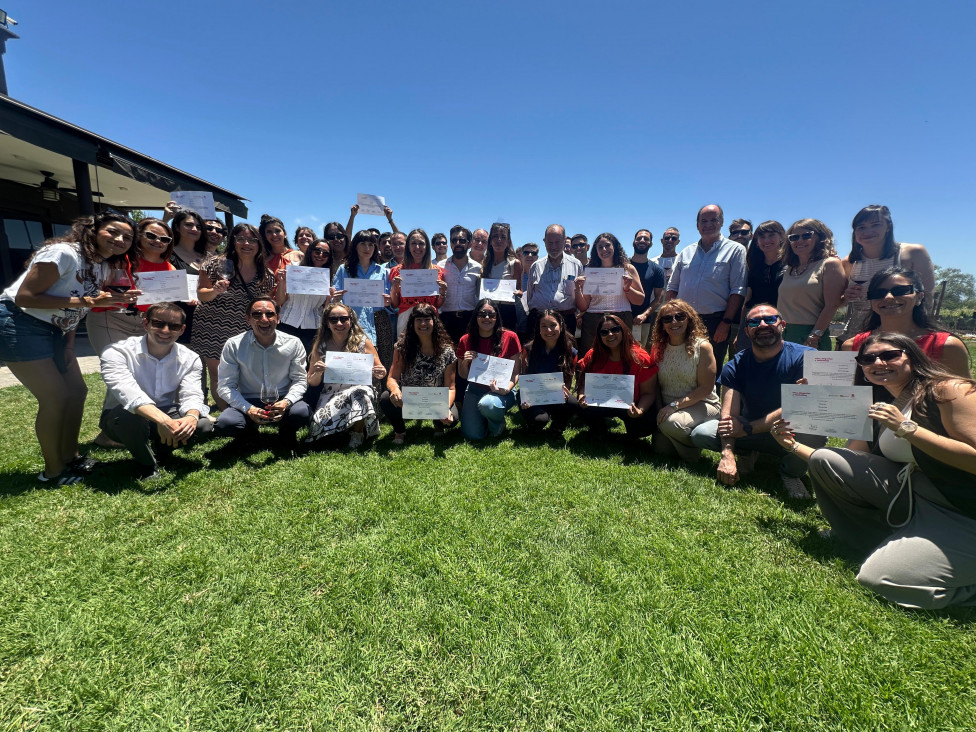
[{"x": 342, "y": 405}]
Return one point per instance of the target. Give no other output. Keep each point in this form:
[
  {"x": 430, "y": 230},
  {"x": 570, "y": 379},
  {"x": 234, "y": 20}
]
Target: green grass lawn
[{"x": 521, "y": 584}]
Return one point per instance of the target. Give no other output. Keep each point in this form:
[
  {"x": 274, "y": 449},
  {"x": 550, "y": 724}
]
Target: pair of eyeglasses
[
  {"x": 487, "y": 314},
  {"x": 242, "y": 239},
  {"x": 806, "y": 236},
  {"x": 220, "y": 229},
  {"x": 765, "y": 319},
  {"x": 612, "y": 330},
  {"x": 669, "y": 237},
  {"x": 164, "y": 325},
  {"x": 868, "y": 359},
  {"x": 676, "y": 318},
  {"x": 742, "y": 232},
  {"x": 896, "y": 291},
  {"x": 155, "y": 237},
  {"x": 263, "y": 315},
  {"x": 337, "y": 319}
]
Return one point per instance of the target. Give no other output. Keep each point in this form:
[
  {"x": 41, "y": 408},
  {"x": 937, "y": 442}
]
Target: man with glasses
[
  {"x": 262, "y": 378},
  {"x": 551, "y": 282},
  {"x": 669, "y": 245},
  {"x": 155, "y": 397},
  {"x": 463, "y": 278},
  {"x": 740, "y": 231},
  {"x": 751, "y": 402},
  {"x": 579, "y": 247},
  {"x": 652, "y": 278},
  {"x": 710, "y": 275},
  {"x": 439, "y": 244},
  {"x": 528, "y": 255},
  {"x": 215, "y": 233}
]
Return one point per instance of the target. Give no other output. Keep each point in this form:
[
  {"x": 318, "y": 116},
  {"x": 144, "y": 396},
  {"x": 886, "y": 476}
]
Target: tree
[
  {"x": 960, "y": 288},
  {"x": 137, "y": 215}
]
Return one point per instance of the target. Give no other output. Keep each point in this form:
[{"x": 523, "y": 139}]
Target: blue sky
[{"x": 602, "y": 116}]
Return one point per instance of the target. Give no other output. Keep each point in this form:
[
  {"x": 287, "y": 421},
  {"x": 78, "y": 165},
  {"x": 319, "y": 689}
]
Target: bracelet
[{"x": 795, "y": 446}]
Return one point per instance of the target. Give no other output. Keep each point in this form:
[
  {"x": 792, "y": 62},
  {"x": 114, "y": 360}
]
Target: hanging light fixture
[{"x": 49, "y": 187}]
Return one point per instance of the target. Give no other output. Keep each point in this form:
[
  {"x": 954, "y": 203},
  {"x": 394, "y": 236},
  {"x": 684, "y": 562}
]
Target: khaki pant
[{"x": 674, "y": 433}]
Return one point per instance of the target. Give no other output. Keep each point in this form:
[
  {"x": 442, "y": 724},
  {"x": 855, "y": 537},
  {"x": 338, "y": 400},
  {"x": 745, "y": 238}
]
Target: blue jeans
[
  {"x": 483, "y": 412},
  {"x": 705, "y": 436}
]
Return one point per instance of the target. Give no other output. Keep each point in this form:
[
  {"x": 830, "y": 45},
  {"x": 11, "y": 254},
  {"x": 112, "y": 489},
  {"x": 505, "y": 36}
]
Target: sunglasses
[
  {"x": 765, "y": 319},
  {"x": 263, "y": 315},
  {"x": 742, "y": 232},
  {"x": 806, "y": 236},
  {"x": 669, "y": 237},
  {"x": 321, "y": 251},
  {"x": 880, "y": 293},
  {"x": 612, "y": 330},
  {"x": 459, "y": 240},
  {"x": 336, "y": 319},
  {"x": 211, "y": 227},
  {"x": 868, "y": 359},
  {"x": 581, "y": 245},
  {"x": 487, "y": 314},
  {"x": 676, "y": 318},
  {"x": 154, "y": 237},
  {"x": 335, "y": 237},
  {"x": 530, "y": 252},
  {"x": 164, "y": 325}
]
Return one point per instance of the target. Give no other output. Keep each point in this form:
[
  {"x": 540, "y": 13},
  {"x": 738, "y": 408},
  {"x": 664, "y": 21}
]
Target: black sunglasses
[
  {"x": 676, "y": 318},
  {"x": 459, "y": 240},
  {"x": 669, "y": 237},
  {"x": 868, "y": 359},
  {"x": 320, "y": 250},
  {"x": 487, "y": 314},
  {"x": 612, "y": 330},
  {"x": 737, "y": 232},
  {"x": 335, "y": 237},
  {"x": 211, "y": 227},
  {"x": 164, "y": 325},
  {"x": 530, "y": 252},
  {"x": 879, "y": 293},
  {"x": 806, "y": 236},
  {"x": 767, "y": 319},
  {"x": 336, "y": 319}
]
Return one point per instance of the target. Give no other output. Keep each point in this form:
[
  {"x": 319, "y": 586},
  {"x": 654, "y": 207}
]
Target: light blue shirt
[
  {"x": 365, "y": 315},
  {"x": 553, "y": 287},
  {"x": 706, "y": 280}
]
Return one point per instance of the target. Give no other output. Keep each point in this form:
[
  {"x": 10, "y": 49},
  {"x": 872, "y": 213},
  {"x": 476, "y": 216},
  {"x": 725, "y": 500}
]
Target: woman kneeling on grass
[
  {"x": 484, "y": 407},
  {"x": 424, "y": 356},
  {"x": 38, "y": 317},
  {"x": 342, "y": 407},
  {"x": 551, "y": 350},
  {"x": 615, "y": 352},
  {"x": 907, "y": 501}
]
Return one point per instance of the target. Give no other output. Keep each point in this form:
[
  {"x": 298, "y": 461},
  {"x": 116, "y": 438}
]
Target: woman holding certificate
[
  {"x": 552, "y": 350},
  {"x": 897, "y": 300},
  {"x": 502, "y": 264},
  {"x": 607, "y": 252},
  {"x": 274, "y": 243},
  {"x": 300, "y": 313},
  {"x": 228, "y": 282},
  {"x": 416, "y": 256},
  {"x": 424, "y": 357},
  {"x": 484, "y": 404},
  {"x": 812, "y": 286},
  {"x": 616, "y": 353},
  {"x": 906, "y": 501},
  {"x": 363, "y": 263},
  {"x": 343, "y": 407},
  {"x": 686, "y": 377},
  {"x": 190, "y": 249}
]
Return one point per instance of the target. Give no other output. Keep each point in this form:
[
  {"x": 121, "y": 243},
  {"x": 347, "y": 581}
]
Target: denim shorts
[{"x": 25, "y": 338}]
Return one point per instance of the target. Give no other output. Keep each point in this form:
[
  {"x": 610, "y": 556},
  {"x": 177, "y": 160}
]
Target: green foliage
[
  {"x": 524, "y": 583},
  {"x": 960, "y": 290}
]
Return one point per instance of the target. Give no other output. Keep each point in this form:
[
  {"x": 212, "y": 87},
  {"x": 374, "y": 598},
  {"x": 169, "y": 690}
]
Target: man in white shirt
[
  {"x": 669, "y": 246},
  {"x": 710, "y": 275},
  {"x": 551, "y": 280},
  {"x": 463, "y": 278},
  {"x": 262, "y": 360},
  {"x": 155, "y": 395}
]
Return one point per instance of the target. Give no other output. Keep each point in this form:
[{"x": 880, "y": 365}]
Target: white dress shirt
[
  {"x": 245, "y": 365},
  {"x": 134, "y": 377},
  {"x": 463, "y": 286}
]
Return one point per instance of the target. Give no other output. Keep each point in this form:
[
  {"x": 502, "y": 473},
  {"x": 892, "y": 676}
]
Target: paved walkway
[{"x": 86, "y": 359}]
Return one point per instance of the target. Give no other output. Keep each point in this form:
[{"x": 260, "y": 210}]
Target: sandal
[
  {"x": 83, "y": 464},
  {"x": 65, "y": 477}
]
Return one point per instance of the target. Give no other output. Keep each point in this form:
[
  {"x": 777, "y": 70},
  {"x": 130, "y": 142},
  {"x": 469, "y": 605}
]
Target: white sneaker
[
  {"x": 795, "y": 488},
  {"x": 355, "y": 440}
]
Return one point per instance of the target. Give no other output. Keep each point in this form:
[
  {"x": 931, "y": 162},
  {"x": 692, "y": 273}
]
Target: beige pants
[{"x": 674, "y": 433}]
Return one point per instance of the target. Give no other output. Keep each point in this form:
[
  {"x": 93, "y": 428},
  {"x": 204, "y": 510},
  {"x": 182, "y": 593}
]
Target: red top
[
  {"x": 930, "y": 343},
  {"x": 408, "y": 302},
  {"x": 642, "y": 369},
  {"x": 510, "y": 345}
]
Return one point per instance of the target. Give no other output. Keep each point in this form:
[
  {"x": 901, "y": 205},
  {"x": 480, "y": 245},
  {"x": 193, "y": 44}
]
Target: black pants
[
  {"x": 141, "y": 436},
  {"x": 558, "y": 415},
  {"x": 712, "y": 321},
  {"x": 455, "y": 323},
  {"x": 395, "y": 414},
  {"x": 597, "y": 418},
  {"x": 233, "y": 423}
]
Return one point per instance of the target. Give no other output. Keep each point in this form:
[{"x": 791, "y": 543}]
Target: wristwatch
[{"x": 906, "y": 428}]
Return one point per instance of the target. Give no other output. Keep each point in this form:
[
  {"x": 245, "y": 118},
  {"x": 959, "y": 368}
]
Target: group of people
[{"x": 905, "y": 498}]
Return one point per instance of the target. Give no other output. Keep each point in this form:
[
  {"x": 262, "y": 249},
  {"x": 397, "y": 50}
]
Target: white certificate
[
  {"x": 200, "y": 201},
  {"x": 829, "y": 368},
  {"x": 609, "y": 390},
  {"x": 307, "y": 280},
  {"x": 426, "y": 402},
  {"x": 362, "y": 293},
  {"x": 348, "y": 368},
  {"x": 164, "y": 286},
  {"x": 835, "y": 411},
  {"x": 484, "y": 369},
  {"x": 603, "y": 281},
  {"x": 538, "y": 389},
  {"x": 418, "y": 283},
  {"x": 498, "y": 290},
  {"x": 371, "y": 205},
  {"x": 191, "y": 287}
]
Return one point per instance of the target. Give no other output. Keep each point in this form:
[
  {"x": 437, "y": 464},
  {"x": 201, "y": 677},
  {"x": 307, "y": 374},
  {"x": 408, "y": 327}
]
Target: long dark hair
[
  {"x": 408, "y": 257},
  {"x": 919, "y": 316},
  {"x": 352, "y": 251},
  {"x": 874, "y": 211},
  {"x": 565, "y": 345},
  {"x": 307, "y": 260},
  {"x": 601, "y": 354},
  {"x": 231, "y": 252},
  {"x": 140, "y": 230},
  {"x": 83, "y": 232},
  {"x": 497, "y": 230},
  {"x": 266, "y": 221},
  {"x": 200, "y": 245},
  {"x": 474, "y": 333},
  {"x": 754, "y": 255},
  {"x": 619, "y": 257},
  {"x": 408, "y": 343}
]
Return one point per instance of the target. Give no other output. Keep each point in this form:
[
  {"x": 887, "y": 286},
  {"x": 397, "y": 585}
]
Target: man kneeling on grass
[
  {"x": 262, "y": 377},
  {"x": 752, "y": 401},
  {"x": 155, "y": 399}
]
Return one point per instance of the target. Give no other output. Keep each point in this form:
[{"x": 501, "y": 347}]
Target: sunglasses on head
[
  {"x": 337, "y": 319},
  {"x": 155, "y": 237},
  {"x": 676, "y": 318},
  {"x": 767, "y": 319},
  {"x": 806, "y": 236},
  {"x": 879, "y": 293},
  {"x": 868, "y": 359},
  {"x": 164, "y": 325},
  {"x": 612, "y": 330}
]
